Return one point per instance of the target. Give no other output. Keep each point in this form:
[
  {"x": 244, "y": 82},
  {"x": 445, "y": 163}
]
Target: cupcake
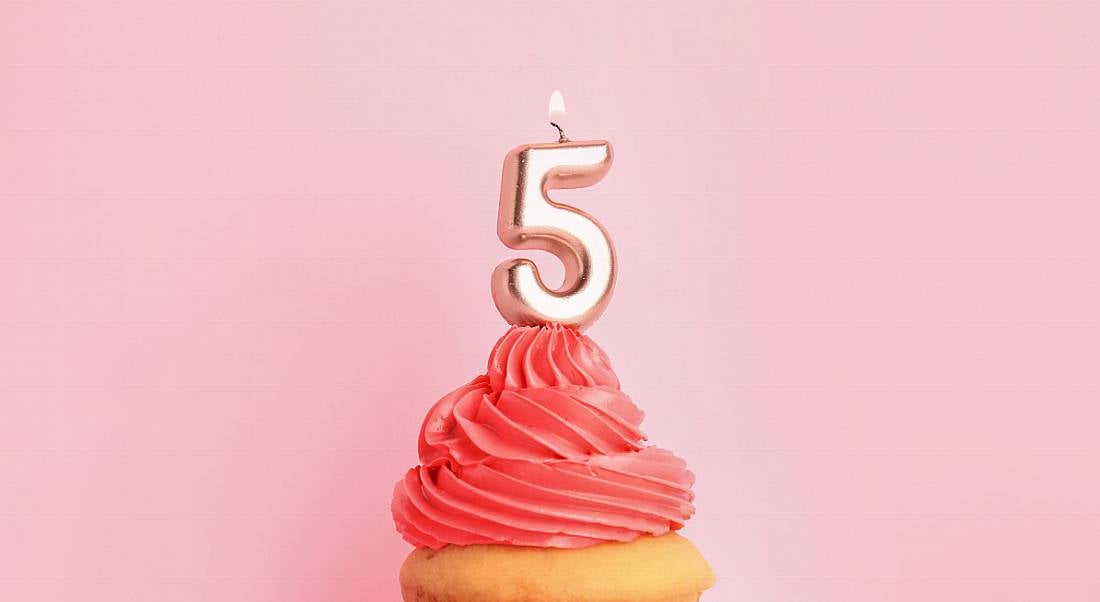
[{"x": 535, "y": 484}]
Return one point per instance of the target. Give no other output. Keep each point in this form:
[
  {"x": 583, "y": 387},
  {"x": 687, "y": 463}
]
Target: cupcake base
[{"x": 649, "y": 569}]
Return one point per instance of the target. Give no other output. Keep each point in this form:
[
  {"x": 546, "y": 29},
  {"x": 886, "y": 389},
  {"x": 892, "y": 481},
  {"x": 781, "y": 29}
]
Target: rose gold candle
[{"x": 529, "y": 219}]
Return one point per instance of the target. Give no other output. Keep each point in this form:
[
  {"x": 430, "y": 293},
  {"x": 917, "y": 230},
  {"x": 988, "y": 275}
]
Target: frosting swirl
[
  {"x": 544, "y": 450},
  {"x": 548, "y": 356}
]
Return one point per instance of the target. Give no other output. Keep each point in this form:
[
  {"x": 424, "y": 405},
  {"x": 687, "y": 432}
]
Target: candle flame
[{"x": 557, "y": 107}]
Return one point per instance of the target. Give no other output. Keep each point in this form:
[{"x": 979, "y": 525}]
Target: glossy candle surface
[{"x": 529, "y": 219}]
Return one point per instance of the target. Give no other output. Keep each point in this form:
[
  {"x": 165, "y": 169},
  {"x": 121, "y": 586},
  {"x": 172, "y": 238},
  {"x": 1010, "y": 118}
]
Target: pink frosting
[
  {"x": 528, "y": 357},
  {"x": 544, "y": 450}
]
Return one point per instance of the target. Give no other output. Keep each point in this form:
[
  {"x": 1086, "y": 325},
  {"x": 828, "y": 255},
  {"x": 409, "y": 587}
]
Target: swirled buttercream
[{"x": 544, "y": 450}]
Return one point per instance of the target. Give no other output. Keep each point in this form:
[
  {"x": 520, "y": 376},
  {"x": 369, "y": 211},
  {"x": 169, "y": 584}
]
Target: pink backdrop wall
[{"x": 244, "y": 245}]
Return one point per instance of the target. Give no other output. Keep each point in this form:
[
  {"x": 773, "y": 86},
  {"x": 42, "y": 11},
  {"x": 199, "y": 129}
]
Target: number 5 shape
[{"x": 528, "y": 219}]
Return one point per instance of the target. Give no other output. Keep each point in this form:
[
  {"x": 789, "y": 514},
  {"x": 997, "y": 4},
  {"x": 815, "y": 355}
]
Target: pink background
[{"x": 244, "y": 245}]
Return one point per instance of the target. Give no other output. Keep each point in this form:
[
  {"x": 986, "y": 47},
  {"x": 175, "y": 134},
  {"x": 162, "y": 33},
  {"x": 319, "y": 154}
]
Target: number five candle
[{"x": 529, "y": 219}]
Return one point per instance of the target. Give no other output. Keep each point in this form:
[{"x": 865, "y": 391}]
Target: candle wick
[{"x": 561, "y": 133}]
